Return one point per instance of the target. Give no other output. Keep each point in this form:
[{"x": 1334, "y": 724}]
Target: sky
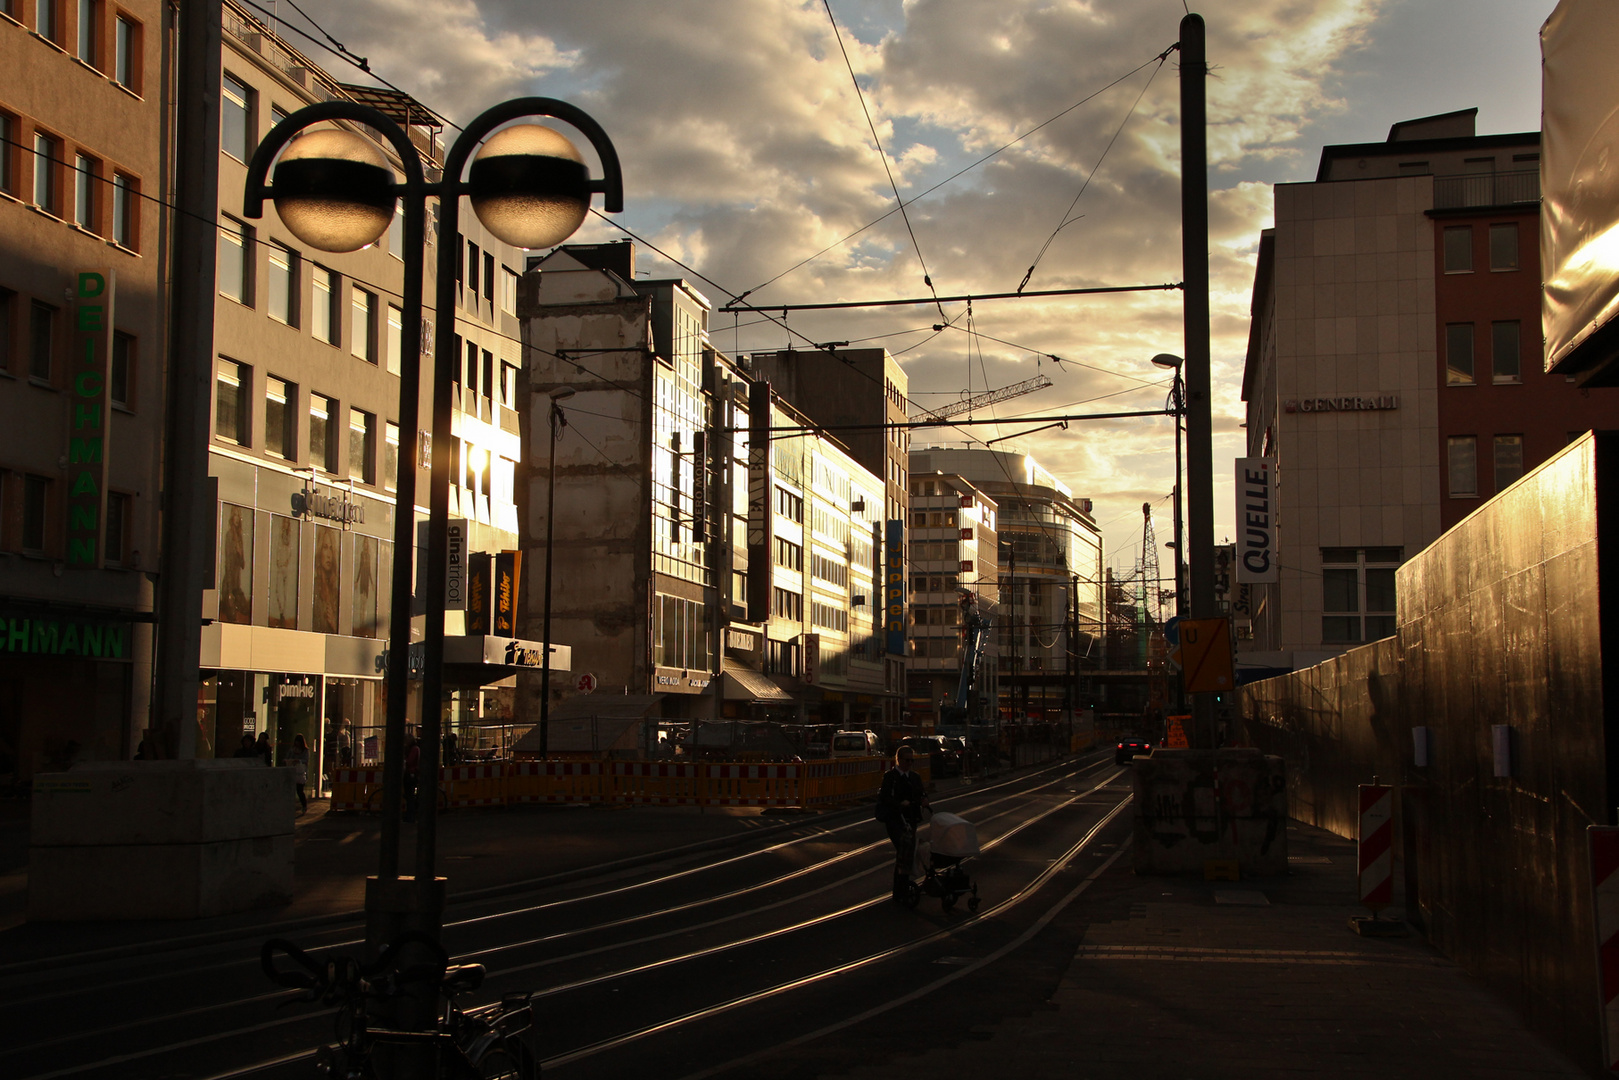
[{"x": 746, "y": 151}]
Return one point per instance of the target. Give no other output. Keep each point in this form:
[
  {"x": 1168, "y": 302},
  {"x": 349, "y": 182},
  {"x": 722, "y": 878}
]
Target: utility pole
[
  {"x": 187, "y": 504},
  {"x": 1195, "y": 296}
]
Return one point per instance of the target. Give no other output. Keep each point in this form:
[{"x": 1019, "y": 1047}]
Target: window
[
  {"x": 8, "y": 156},
  {"x": 488, "y": 373},
  {"x": 390, "y": 456},
  {"x": 394, "y": 345},
  {"x": 1459, "y": 249},
  {"x": 126, "y": 53},
  {"x": 1459, "y": 354},
  {"x": 1504, "y": 246},
  {"x": 283, "y": 284},
  {"x": 281, "y": 418},
  {"x": 790, "y": 506},
  {"x": 362, "y": 446},
  {"x": 1463, "y": 457},
  {"x": 508, "y": 290},
  {"x": 84, "y": 192},
  {"x": 1504, "y": 350},
  {"x": 680, "y": 633},
  {"x": 41, "y": 340},
  {"x": 1357, "y": 593},
  {"x": 472, "y": 268},
  {"x": 322, "y": 439},
  {"x": 781, "y": 658},
  {"x": 36, "y": 495},
  {"x": 396, "y": 231},
  {"x": 323, "y": 319},
  {"x": 121, "y": 369},
  {"x": 1508, "y": 460},
  {"x": 88, "y": 10},
  {"x": 8, "y": 309},
  {"x": 363, "y": 333},
  {"x": 236, "y": 118},
  {"x": 46, "y": 151},
  {"x": 471, "y": 376},
  {"x": 789, "y": 555},
  {"x": 236, "y": 261},
  {"x": 787, "y": 605},
  {"x": 508, "y": 385},
  {"x": 488, "y": 276},
  {"x": 115, "y": 550},
  {"x": 231, "y": 385},
  {"x": 48, "y": 21},
  {"x": 125, "y": 201}
]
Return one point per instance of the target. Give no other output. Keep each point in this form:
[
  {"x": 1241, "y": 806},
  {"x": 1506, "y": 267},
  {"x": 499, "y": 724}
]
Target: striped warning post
[
  {"x": 355, "y": 789},
  {"x": 1376, "y": 846},
  {"x": 1605, "y": 885}
]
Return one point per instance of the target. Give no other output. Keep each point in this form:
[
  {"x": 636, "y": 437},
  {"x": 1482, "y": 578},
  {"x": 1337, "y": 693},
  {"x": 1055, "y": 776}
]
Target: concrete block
[
  {"x": 1194, "y": 807},
  {"x": 160, "y": 839}
]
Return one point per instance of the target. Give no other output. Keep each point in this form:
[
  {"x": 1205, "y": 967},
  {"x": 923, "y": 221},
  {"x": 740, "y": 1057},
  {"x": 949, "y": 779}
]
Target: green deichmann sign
[{"x": 90, "y": 638}]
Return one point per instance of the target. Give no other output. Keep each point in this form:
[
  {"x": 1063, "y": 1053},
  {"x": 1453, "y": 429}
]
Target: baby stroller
[{"x": 937, "y": 860}]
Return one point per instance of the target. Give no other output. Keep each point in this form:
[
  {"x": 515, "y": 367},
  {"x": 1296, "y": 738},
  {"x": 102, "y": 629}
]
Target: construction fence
[{"x": 800, "y": 784}]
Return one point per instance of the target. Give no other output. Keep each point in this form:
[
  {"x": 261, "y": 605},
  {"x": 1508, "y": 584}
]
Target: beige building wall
[{"x": 1353, "y": 315}]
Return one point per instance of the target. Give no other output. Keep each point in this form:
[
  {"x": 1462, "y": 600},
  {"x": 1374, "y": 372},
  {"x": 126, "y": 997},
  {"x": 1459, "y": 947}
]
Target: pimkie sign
[{"x": 88, "y": 429}]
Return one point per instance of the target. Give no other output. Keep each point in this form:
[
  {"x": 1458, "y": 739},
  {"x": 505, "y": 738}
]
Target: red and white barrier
[
  {"x": 1605, "y": 887},
  {"x": 1376, "y": 846}
]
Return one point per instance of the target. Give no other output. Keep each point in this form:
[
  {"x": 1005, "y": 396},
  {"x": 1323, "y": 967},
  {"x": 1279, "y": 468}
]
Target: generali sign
[{"x": 1342, "y": 404}]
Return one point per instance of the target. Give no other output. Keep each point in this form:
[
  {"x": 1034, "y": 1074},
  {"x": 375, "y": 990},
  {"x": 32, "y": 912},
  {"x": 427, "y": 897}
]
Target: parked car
[
  {"x": 854, "y": 744},
  {"x": 1129, "y": 747},
  {"x": 945, "y": 759}
]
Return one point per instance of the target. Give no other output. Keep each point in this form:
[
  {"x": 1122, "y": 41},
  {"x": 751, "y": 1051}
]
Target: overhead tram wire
[
  {"x": 1068, "y": 220},
  {"x": 830, "y": 305},
  {"x": 951, "y": 178},
  {"x": 927, "y": 279}
]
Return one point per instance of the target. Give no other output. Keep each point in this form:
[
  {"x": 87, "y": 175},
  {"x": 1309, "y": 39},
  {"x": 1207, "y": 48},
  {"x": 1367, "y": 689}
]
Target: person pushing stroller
[{"x": 899, "y": 807}]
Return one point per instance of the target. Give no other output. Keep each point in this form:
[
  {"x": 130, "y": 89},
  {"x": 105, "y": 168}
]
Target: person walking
[
  {"x": 264, "y": 749},
  {"x": 413, "y": 761},
  {"x": 299, "y": 760},
  {"x": 899, "y": 807},
  {"x": 247, "y": 749}
]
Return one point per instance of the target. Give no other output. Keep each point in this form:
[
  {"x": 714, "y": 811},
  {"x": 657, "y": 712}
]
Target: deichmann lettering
[
  {"x": 64, "y": 637},
  {"x": 87, "y": 439},
  {"x": 1343, "y": 404}
]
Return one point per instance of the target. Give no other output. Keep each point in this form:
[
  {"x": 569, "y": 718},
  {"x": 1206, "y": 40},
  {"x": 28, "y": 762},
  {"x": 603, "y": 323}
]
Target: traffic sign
[
  {"x": 1375, "y": 846},
  {"x": 1176, "y": 739},
  {"x": 1172, "y": 638},
  {"x": 1206, "y": 656},
  {"x": 586, "y": 683}
]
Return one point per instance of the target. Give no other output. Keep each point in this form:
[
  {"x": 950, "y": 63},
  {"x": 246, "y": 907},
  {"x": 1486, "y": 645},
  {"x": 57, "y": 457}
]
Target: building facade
[
  {"x": 83, "y": 191},
  {"x": 709, "y": 546},
  {"x": 306, "y": 433},
  {"x": 1049, "y": 570},
  {"x": 1393, "y": 372}
]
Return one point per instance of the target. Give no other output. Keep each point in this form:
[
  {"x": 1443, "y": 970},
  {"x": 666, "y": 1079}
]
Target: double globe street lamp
[{"x": 335, "y": 191}]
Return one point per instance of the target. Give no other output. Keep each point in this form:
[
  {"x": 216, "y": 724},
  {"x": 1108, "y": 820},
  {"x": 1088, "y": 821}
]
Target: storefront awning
[{"x": 745, "y": 684}]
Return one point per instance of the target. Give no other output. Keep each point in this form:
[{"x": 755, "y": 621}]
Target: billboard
[
  {"x": 1579, "y": 220},
  {"x": 761, "y": 504},
  {"x": 1256, "y": 520}
]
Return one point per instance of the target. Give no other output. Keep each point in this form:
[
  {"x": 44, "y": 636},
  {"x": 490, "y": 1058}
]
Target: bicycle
[{"x": 483, "y": 1043}]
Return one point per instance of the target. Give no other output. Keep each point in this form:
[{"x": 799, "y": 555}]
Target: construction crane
[
  {"x": 989, "y": 397},
  {"x": 956, "y": 716}
]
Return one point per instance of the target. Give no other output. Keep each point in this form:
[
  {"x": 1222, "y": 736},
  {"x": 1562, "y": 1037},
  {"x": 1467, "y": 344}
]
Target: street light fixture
[{"x": 336, "y": 192}]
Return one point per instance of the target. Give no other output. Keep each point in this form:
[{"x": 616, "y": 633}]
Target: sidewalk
[{"x": 1180, "y": 978}]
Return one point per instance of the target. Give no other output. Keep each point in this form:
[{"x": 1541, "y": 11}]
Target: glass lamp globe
[
  {"x": 334, "y": 190},
  {"x": 529, "y": 186}
]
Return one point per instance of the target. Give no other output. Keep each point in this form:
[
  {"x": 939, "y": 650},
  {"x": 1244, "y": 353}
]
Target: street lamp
[
  {"x": 558, "y": 420},
  {"x": 1177, "y": 403},
  {"x": 336, "y": 192}
]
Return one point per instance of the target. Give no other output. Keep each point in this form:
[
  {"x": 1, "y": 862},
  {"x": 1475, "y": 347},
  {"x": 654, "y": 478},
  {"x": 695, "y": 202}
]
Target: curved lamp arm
[
  {"x": 611, "y": 184},
  {"x": 255, "y": 190}
]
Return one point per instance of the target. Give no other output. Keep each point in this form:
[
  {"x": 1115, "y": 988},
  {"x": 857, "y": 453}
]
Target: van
[{"x": 854, "y": 744}]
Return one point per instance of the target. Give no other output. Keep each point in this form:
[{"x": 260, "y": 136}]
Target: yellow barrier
[{"x": 648, "y": 783}]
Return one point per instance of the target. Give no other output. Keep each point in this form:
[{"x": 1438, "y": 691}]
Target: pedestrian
[
  {"x": 450, "y": 744},
  {"x": 899, "y": 807},
  {"x": 264, "y": 749},
  {"x": 413, "y": 761},
  {"x": 247, "y": 749},
  {"x": 299, "y": 760}
]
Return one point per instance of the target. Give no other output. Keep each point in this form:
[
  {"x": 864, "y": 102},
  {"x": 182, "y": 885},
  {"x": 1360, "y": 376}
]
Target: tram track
[{"x": 1010, "y": 797}]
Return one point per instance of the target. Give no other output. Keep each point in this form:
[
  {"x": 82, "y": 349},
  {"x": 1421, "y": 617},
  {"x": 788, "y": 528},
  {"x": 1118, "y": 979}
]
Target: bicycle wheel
[{"x": 511, "y": 1060}]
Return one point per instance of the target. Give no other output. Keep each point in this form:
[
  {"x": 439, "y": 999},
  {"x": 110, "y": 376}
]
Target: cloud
[{"x": 746, "y": 150}]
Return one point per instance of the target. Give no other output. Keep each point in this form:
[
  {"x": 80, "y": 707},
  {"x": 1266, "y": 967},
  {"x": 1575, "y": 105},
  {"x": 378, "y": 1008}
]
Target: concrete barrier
[{"x": 1194, "y": 807}]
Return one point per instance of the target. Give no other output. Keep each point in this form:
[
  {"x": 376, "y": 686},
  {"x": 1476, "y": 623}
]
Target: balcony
[{"x": 1486, "y": 189}]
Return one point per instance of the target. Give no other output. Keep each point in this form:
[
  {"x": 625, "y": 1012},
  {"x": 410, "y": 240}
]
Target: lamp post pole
[{"x": 557, "y": 420}]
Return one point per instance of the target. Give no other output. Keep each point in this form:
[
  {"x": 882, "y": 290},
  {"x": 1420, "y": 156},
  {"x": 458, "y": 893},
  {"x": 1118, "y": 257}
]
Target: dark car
[
  {"x": 1129, "y": 747},
  {"x": 946, "y": 759}
]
